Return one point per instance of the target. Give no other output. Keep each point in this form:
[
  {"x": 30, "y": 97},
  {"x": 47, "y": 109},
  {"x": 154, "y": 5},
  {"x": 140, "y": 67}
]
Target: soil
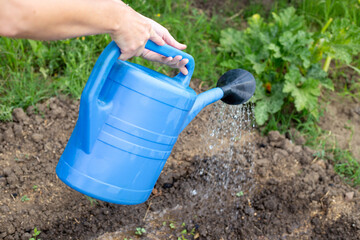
[
  {"x": 227, "y": 6},
  {"x": 342, "y": 120},
  {"x": 257, "y": 188}
]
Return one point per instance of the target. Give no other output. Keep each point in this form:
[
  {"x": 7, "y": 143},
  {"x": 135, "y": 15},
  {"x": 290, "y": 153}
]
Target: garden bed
[{"x": 275, "y": 189}]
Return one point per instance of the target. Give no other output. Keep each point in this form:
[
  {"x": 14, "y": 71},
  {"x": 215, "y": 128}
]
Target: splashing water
[{"x": 227, "y": 164}]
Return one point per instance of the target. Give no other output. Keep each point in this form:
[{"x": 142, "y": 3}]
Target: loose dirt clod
[{"x": 19, "y": 115}]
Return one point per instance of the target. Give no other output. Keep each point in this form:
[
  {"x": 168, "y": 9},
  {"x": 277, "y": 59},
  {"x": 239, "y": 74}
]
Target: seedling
[
  {"x": 239, "y": 194},
  {"x": 35, "y": 187},
  {"x": 140, "y": 231},
  {"x": 172, "y": 225},
  {"x": 91, "y": 200},
  {"x": 35, "y": 234},
  {"x": 25, "y": 198},
  {"x": 182, "y": 238}
]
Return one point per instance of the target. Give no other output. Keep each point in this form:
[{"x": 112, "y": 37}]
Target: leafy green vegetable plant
[
  {"x": 279, "y": 54},
  {"x": 338, "y": 39}
]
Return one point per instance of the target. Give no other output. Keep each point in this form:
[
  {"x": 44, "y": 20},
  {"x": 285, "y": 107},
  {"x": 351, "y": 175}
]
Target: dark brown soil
[{"x": 273, "y": 190}]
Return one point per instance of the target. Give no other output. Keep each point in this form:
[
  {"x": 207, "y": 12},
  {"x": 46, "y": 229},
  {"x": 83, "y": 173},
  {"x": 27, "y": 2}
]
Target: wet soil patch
[{"x": 273, "y": 190}]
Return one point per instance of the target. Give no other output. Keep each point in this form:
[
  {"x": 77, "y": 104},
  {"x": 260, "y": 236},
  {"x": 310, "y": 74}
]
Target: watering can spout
[
  {"x": 234, "y": 87},
  {"x": 202, "y": 100}
]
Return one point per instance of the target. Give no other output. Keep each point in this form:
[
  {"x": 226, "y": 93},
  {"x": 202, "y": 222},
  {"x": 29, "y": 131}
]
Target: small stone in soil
[
  {"x": 37, "y": 137},
  {"x": 18, "y": 130},
  {"x": 168, "y": 185},
  {"x": 349, "y": 196},
  {"x": 9, "y": 134}
]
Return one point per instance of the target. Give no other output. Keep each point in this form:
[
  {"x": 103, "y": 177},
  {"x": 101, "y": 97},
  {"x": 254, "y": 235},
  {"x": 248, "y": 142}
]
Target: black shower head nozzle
[{"x": 238, "y": 86}]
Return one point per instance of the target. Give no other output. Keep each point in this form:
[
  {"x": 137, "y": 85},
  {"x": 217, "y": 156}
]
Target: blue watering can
[{"x": 129, "y": 120}]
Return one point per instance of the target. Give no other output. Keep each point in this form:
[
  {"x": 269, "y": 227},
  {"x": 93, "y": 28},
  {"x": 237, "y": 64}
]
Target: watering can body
[{"x": 129, "y": 120}]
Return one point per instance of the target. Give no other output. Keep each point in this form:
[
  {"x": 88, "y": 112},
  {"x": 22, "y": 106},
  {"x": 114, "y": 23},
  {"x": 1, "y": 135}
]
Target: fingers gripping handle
[
  {"x": 170, "y": 51},
  {"x": 91, "y": 114}
]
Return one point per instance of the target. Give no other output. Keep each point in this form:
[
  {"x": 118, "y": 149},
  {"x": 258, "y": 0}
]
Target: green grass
[
  {"x": 319, "y": 12},
  {"x": 347, "y": 166}
]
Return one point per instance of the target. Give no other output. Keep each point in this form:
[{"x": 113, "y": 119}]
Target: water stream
[
  {"x": 230, "y": 147},
  {"x": 230, "y": 140}
]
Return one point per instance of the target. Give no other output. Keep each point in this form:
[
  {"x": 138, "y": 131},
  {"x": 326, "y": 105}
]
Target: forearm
[{"x": 54, "y": 19}]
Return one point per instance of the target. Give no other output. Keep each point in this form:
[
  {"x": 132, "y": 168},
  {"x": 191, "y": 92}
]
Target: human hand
[
  {"x": 133, "y": 32},
  {"x": 177, "y": 61}
]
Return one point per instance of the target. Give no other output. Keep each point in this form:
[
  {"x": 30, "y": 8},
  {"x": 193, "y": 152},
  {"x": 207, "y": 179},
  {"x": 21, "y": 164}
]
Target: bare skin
[{"x": 55, "y": 20}]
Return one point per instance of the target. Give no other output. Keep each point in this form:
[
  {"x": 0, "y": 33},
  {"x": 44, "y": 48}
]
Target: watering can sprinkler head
[
  {"x": 238, "y": 86},
  {"x": 234, "y": 87}
]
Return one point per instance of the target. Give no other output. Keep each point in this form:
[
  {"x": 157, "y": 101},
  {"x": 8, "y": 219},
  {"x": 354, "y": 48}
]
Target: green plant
[
  {"x": 5, "y": 113},
  {"x": 172, "y": 225},
  {"x": 140, "y": 231},
  {"x": 345, "y": 165},
  {"x": 35, "y": 187},
  {"x": 339, "y": 40},
  {"x": 182, "y": 238},
  {"x": 24, "y": 198},
  {"x": 91, "y": 200},
  {"x": 317, "y": 13},
  {"x": 278, "y": 53},
  {"x": 35, "y": 234},
  {"x": 239, "y": 194}
]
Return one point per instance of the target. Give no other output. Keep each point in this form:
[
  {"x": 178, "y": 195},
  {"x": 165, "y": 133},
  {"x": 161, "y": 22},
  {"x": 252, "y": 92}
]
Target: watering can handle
[
  {"x": 91, "y": 109},
  {"x": 169, "y": 51}
]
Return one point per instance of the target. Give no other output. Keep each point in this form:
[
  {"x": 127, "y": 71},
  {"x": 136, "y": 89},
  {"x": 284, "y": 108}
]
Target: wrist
[{"x": 119, "y": 12}]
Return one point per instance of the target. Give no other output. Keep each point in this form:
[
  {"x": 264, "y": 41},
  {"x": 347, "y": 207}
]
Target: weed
[
  {"x": 35, "y": 234},
  {"x": 35, "y": 187},
  {"x": 140, "y": 231},
  {"x": 24, "y": 198}
]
